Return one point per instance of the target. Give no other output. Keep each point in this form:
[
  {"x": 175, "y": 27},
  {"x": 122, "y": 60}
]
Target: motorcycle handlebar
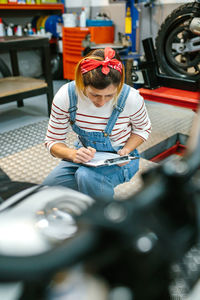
[{"x": 15, "y": 268}]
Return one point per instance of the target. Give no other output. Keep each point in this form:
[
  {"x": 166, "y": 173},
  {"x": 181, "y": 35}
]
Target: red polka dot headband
[{"x": 89, "y": 64}]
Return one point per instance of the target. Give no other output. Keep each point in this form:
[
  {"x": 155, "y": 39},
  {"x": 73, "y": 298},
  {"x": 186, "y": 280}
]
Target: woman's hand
[
  {"x": 83, "y": 155},
  {"x": 122, "y": 152}
]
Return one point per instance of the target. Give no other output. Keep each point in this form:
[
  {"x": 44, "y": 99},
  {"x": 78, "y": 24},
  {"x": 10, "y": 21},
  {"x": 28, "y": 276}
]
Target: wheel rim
[{"x": 187, "y": 64}]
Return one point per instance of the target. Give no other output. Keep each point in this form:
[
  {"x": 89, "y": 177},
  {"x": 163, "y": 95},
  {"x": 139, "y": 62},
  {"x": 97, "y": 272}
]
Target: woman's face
[{"x": 100, "y": 97}]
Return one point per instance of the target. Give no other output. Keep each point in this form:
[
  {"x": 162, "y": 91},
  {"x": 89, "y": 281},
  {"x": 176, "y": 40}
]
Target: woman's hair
[{"x": 95, "y": 77}]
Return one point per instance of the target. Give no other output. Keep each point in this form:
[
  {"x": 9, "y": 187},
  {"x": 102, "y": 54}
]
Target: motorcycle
[
  {"x": 147, "y": 247},
  {"x": 178, "y": 42}
]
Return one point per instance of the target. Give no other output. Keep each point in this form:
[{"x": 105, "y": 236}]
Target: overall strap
[
  {"x": 118, "y": 109},
  {"x": 72, "y": 101}
]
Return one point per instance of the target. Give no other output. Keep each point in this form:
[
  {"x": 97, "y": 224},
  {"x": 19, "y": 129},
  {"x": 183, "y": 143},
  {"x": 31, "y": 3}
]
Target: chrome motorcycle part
[
  {"x": 56, "y": 220},
  {"x": 195, "y": 26},
  {"x": 190, "y": 46},
  {"x": 33, "y": 220}
]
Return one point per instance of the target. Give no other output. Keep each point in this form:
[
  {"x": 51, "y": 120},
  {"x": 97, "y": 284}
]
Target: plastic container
[
  {"x": 19, "y": 31},
  {"x": 102, "y": 34},
  {"x": 83, "y": 18},
  {"x": 69, "y": 20},
  {"x": 90, "y": 23},
  {"x": 9, "y": 30},
  {"x": 2, "y": 30},
  {"x": 29, "y": 29}
]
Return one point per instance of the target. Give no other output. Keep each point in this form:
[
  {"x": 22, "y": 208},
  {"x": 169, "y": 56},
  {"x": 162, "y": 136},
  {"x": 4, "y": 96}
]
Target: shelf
[
  {"x": 19, "y": 84},
  {"x": 48, "y": 6},
  {"x": 16, "y": 87}
]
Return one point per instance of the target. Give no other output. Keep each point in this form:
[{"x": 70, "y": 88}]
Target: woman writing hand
[{"x": 84, "y": 155}]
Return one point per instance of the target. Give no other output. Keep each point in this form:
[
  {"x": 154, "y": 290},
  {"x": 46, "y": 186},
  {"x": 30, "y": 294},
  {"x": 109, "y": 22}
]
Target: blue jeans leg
[
  {"x": 62, "y": 175},
  {"x": 100, "y": 182},
  {"x": 92, "y": 182}
]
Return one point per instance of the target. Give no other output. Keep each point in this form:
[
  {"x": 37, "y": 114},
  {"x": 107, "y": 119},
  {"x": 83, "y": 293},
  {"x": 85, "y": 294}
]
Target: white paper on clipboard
[{"x": 108, "y": 159}]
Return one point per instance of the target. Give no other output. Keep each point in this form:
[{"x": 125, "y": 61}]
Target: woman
[{"x": 107, "y": 115}]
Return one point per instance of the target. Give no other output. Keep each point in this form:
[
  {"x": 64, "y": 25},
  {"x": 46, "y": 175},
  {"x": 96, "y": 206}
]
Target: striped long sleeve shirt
[{"x": 133, "y": 119}]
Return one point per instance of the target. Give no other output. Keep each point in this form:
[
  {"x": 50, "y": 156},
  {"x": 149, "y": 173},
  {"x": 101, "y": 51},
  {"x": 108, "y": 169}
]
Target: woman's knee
[
  {"x": 61, "y": 175},
  {"x": 83, "y": 174}
]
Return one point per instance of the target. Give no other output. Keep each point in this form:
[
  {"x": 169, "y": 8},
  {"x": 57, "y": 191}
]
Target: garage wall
[
  {"x": 150, "y": 18},
  {"x": 149, "y": 23}
]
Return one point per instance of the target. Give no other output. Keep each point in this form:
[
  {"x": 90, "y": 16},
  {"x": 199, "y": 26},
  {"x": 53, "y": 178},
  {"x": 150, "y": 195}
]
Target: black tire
[
  {"x": 174, "y": 28},
  {"x": 4, "y": 70}
]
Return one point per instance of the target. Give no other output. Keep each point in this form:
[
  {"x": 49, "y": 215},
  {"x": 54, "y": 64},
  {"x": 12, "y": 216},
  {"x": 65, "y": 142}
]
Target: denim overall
[{"x": 97, "y": 182}]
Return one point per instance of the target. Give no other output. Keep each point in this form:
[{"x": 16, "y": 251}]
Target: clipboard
[{"x": 108, "y": 159}]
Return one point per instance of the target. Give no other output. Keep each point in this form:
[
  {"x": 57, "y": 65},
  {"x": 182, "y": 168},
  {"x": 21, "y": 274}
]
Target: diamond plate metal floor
[
  {"x": 24, "y": 158},
  {"x": 20, "y": 139},
  {"x": 166, "y": 121}
]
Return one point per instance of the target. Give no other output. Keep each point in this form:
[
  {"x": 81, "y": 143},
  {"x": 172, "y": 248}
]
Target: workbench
[{"x": 16, "y": 87}]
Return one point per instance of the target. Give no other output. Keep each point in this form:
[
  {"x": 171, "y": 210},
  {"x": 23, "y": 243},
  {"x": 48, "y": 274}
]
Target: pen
[{"x": 83, "y": 144}]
